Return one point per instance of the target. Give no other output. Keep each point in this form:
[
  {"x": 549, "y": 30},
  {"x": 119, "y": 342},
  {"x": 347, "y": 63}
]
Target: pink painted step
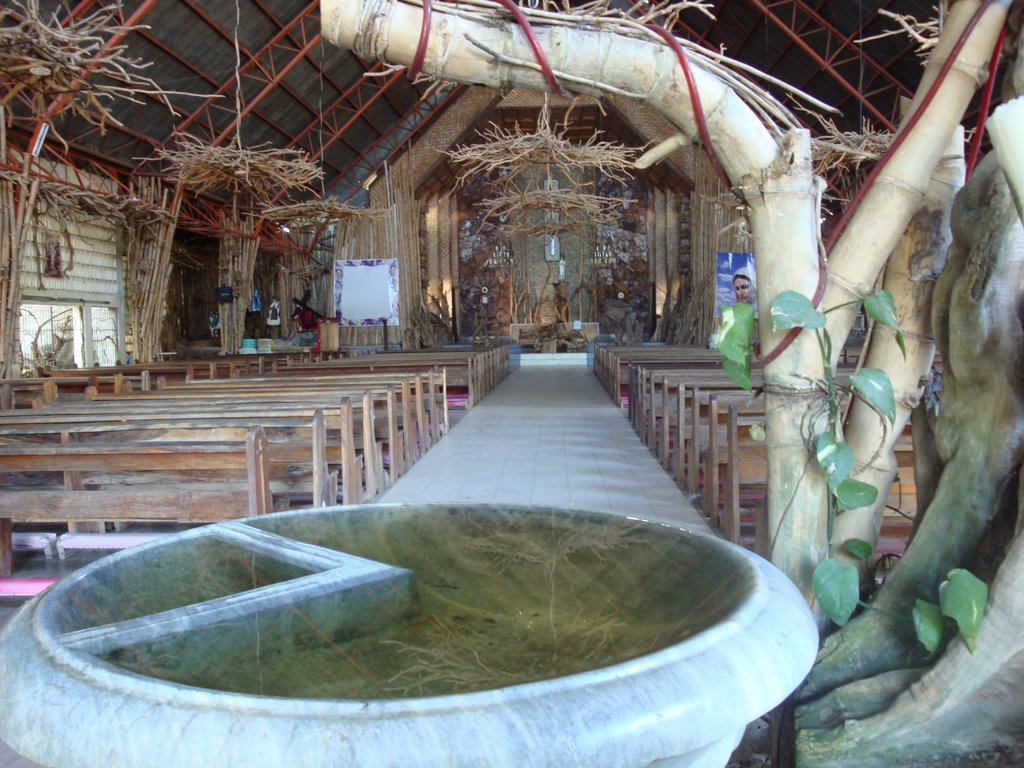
[{"x": 25, "y": 586}]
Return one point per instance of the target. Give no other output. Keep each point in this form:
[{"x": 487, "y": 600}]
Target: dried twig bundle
[
  {"x": 522, "y": 166},
  {"x": 840, "y": 155},
  {"x": 57, "y": 197},
  {"x": 318, "y": 213},
  {"x": 924, "y": 33},
  {"x": 515, "y": 153},
  {"x": 574, "y": 211},
  {"x": 260, "y": 171},
  {"x": 69, "y": 62}
]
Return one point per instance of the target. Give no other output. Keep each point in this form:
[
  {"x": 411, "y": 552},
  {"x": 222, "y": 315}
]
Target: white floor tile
[{"x": 550, "y": 436}]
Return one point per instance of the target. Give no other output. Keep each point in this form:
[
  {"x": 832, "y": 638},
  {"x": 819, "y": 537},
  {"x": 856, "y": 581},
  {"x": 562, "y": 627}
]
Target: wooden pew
[
  {"x": 141, "y": 495},
  {"x": 301, "y": 435},
  {"x": 393, "y": 412},
  {"x": 421, "y": 397},
  {"x": 33, "y": 392},
  {"x": 612, "y": 364}
]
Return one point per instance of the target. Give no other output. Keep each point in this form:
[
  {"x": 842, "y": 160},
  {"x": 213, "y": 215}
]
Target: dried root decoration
[
  {"x": 515, "y": 153},
  {"x": 925, "y": 34},
  {"x": 69, "y": 61},
  {"x": 575, "y": 211},
  {"x": 259, "y": 171},
  {"x": 840, "y": 156},
  {"x": 57, "y": 197},
  {"x": 524, "y": 166},
  {"x": 318, "y": 214},
  {"x": 664, "y": 13}
]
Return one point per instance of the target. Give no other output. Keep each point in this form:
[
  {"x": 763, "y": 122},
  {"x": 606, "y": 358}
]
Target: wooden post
[
  {"x": 257, "y": 461},
  {"x": 351, "y": 485},
  {"x": 394, "y": 449},
  {"x": 681, "y": 435},
  {"x": 321, "y": 477},
  {"x": 693, "y": 461},
  {"x": 6, "y": 547},
  {"x": 369, "y": 446},
  {"x": 711, "y": 464}
]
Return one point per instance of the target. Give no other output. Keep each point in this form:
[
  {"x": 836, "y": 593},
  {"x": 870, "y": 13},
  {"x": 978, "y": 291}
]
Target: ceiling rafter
[
  {"x": 203, "y": 115},
  {"x": 362, "y": 114},
  {"x": 351, "y": 106},
  {"x": 389, "y": 144},
  {"x": 317, "y": 64},
  {"x": 799, "y": 21}
]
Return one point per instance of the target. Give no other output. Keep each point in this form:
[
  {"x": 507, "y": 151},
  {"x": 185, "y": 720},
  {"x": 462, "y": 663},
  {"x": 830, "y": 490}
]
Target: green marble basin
[{"x": 482, "y": 634}]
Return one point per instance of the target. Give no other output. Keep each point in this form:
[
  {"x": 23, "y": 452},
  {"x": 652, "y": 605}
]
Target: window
[{"x": 67, "y": 336}]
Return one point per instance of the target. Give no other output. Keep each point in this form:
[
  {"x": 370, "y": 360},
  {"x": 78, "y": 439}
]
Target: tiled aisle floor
[{"x": 548, "y": 436}]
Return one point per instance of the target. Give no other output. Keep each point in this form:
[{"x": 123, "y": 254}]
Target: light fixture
[
  {"x": 501, "y": 256},
  {"x": 603, "y": 256}
]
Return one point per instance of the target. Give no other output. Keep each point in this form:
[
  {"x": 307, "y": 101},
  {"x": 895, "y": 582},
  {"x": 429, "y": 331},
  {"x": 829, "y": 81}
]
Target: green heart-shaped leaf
[
  {"x": 794, "y": 310},
  {"x": 881, "y": 308},
  {"x": 928, "y": 624},
  {"x": 853, "y": 494},
  {"x": 859, "y": 548},
  {"x": 834, "y": 457},
  {"x": 963, "y": 597},
  {"x": 875, "y": 387},
  {"x": 837, "y": 588}
]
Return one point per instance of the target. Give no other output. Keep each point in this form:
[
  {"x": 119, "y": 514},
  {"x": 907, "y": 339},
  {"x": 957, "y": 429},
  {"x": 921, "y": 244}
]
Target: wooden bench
[
  {"x": 477, "y": 371},
  {"x": 140, "y": 482},
  {"x": 612, "y": 364},
  {"x": 396, "y": 413},
  {"x": 302, "y": 436},
  {"x": 32, "y": 392}
]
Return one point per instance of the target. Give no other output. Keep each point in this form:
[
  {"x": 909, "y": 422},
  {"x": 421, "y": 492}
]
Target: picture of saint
[
  {"x": 743, "y": 288},
  {"x": 735, "y": 280}
]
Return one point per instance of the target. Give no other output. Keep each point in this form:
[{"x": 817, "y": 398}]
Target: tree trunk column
[{"x": 784, "y": 218}]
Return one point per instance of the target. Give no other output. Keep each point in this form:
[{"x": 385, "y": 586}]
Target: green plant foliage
[
  {"x": 853, "y": 494},
  {"x": 881, "y": 308},
  {"x": 835, "y": 459},
  {"x": 837, "y": 588},
  {"x": 963, "y": 597},
  {"x": 735, "y": 342},
  {"x": 739, "y": 373},
  {"x": 794, "y": 310},
  {"x": 874, "y": 386},
  {"x": 859, "y": 548},
  {"x": 928, "y": 624}
]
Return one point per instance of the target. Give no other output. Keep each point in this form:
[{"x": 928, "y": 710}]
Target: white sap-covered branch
[
  {"x": 589, "y": 59},
  {"x": 1004, "y": 129},
  {"x": 858, "y": 257}
]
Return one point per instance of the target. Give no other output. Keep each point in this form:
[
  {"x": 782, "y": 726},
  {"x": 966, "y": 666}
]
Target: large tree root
[
  {"x": 966, "y": 711},
  {"x": 960, "y": 712}
]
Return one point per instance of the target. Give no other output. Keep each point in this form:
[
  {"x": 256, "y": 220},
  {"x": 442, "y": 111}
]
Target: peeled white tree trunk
[
  {"x": 909, "y": 276},
  {"x": 1004, "y": 129},
  {"x": 858, "y": 257}
]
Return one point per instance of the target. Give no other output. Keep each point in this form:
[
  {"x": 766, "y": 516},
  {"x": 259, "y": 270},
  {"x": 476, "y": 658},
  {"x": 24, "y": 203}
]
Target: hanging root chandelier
[{"x": 521, "y": 166}]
